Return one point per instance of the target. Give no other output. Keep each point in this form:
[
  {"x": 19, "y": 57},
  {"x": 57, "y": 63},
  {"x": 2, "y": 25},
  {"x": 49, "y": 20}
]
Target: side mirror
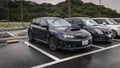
[
  {"x": 45, "y": 26},
  {"x": 104, "y": 23}
]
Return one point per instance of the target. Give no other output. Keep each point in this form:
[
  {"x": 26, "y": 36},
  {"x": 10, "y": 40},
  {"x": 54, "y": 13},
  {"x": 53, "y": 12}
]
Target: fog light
[{"x": 69, "y": 46}]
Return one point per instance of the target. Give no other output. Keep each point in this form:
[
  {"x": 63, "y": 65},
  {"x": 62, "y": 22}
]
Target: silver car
[{"x": 115, "y": 27}]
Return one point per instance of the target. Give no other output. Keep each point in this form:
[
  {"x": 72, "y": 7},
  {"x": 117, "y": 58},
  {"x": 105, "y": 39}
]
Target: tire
[
  {"x": 31, "y": 37},
  {"x": 53, "y": 43},
  {"x": 114, "y": 33},
  {"x": 88, "y": 49}
]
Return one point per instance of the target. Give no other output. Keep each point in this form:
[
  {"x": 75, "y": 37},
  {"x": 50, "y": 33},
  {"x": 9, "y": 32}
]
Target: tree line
[{"x": 10, "y": 10}]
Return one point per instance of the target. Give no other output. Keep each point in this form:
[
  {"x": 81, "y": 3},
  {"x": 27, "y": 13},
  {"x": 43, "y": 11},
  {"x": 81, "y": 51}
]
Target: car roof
[
  {"x": 78, "y": 18},
  {"x": 115, "y": 18},
  {"x": 48, "y": 18},
  {"x": 101, "y": 18}
]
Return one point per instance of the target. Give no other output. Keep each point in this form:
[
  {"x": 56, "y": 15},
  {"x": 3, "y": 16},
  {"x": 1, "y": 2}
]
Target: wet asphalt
[
  {"x": 20, "y": 55},
  {"x": 105, "y": 59}
]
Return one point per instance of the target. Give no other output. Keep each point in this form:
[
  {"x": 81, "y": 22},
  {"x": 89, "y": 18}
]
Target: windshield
[
  {"x": 112, "y": 22},
  {"x": 89, "y": 22},
  {"x": 58, "y": 22}
]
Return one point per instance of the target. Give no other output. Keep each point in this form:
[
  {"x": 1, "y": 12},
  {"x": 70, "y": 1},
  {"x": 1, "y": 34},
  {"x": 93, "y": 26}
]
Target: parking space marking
[
  {"x": 10, "y": 34},
  {"x": 98, "y": 46},
  {"x": 76, "y": 56},
  {"x": 116, "y": 39},
  {"x": 42, "y": 51}
]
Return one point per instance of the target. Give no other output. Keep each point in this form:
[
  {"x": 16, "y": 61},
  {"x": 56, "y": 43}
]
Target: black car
[
  {"x": 59, "y": 34},
  {"x": 99, "y": 33}
]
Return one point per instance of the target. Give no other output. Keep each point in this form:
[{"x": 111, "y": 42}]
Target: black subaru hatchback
[
  {"x": 58, "y": 34},
  {"x": 99, "y": 33}
]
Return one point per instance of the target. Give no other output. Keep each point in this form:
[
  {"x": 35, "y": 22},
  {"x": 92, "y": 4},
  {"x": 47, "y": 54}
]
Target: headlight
[
  {"x": 119, "y": 27},
  {"x": 68, "y": 36},
  {"x": 90, "y": 35},
  {"x": 98, "y": 31}
]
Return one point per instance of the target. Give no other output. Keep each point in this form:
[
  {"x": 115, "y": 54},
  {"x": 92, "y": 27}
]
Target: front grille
[
  {"x": 107, "y": 32},
  {"x": 81, "y": 37},
  {"x": 74, "y": 45}
]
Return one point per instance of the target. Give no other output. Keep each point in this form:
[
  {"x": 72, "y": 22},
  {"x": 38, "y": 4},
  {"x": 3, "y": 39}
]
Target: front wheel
[
  {"x": 53, "y": 43},
  {"x": 114, "y": 33},
  {"x": 30, "y": 36}
]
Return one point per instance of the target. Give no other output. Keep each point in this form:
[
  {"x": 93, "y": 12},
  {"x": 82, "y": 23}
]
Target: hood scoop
[{"x": 73, "y": 28}]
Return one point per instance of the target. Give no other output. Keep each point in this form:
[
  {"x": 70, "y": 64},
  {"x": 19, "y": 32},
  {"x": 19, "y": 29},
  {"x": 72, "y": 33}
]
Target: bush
[
  {"x": 3, "y": 20},
  {"x": 5, "y": 25}
]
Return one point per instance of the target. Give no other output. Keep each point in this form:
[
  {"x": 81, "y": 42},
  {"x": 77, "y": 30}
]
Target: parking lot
[{"x": 25, "y": 54}]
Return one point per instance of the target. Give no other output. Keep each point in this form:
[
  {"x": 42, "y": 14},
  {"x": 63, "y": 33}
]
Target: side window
[
  {"x": 101, "y": 21},
  {"x": 43, "y": 23},
  {"x": 117, "y": 20},
  {"x": 77, "y": 21},
  {"x": 98, "y": 21},
  {"x": 36, "y": 21},
  {"x": 33, "y": 21}
]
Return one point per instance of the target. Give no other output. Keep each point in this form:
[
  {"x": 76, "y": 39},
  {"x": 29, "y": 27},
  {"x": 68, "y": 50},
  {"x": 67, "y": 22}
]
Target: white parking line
[
  {"x": 42, "y": 51},
  {"x": 73, "y": 57},
  {"x": 116, "y": 39},
  {"x": 10, "y": 34},
  {"x": 98, "y": 46}
]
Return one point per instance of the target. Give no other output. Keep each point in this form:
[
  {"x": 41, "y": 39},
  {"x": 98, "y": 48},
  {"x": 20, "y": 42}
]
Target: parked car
[
  {"x": 99, "y": 33},
  {"x": 59, "y": 34},
  {"x": 109, "y": 23},
  {"x": 117, "y": 20}
]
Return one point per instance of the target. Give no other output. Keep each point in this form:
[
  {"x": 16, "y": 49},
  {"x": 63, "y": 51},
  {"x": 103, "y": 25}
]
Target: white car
[
  {"x": 117, "y": 20},
  {"x": 110, "y": 23}
]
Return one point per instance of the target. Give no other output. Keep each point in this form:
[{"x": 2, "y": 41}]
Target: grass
[{"x": 12, "y": 25}]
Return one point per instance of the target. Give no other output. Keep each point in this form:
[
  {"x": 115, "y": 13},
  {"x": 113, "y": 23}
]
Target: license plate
[
  {"x": 85, "y": 42},
  {"x": 109, "y": 35}
]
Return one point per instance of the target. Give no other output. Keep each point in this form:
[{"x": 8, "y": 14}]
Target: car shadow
[{"x": 62, "y": 53}]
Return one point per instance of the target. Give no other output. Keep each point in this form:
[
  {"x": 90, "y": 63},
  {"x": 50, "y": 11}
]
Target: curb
[
  {"x": 12, "y": 41},
  {"x": 11, "y": 29},
  {"x": 5, "y": 41}
]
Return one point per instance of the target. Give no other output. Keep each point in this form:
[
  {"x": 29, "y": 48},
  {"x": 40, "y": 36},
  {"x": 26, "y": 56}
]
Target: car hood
[
  {"x": 71, "y": 30},
  {"x": 113, "y": 26},
  {"x": 99, "y": 27}
]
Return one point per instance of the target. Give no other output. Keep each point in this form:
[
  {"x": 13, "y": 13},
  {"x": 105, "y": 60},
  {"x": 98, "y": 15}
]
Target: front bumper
[
  {"x": 103, "y": 37},
  {"x": 73, "y": 45},
  {"x": 118, "y": 32}
]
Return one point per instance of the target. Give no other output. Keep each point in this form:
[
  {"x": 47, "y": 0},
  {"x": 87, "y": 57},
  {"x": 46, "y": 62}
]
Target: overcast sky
[{"x": 114, "y": 4}]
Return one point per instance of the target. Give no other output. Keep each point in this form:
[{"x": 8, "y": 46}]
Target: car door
[
  {"x": 40, "y": 30},
  {"x": 35, "y": 27},
  {"x": 43, "y": 31}
]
